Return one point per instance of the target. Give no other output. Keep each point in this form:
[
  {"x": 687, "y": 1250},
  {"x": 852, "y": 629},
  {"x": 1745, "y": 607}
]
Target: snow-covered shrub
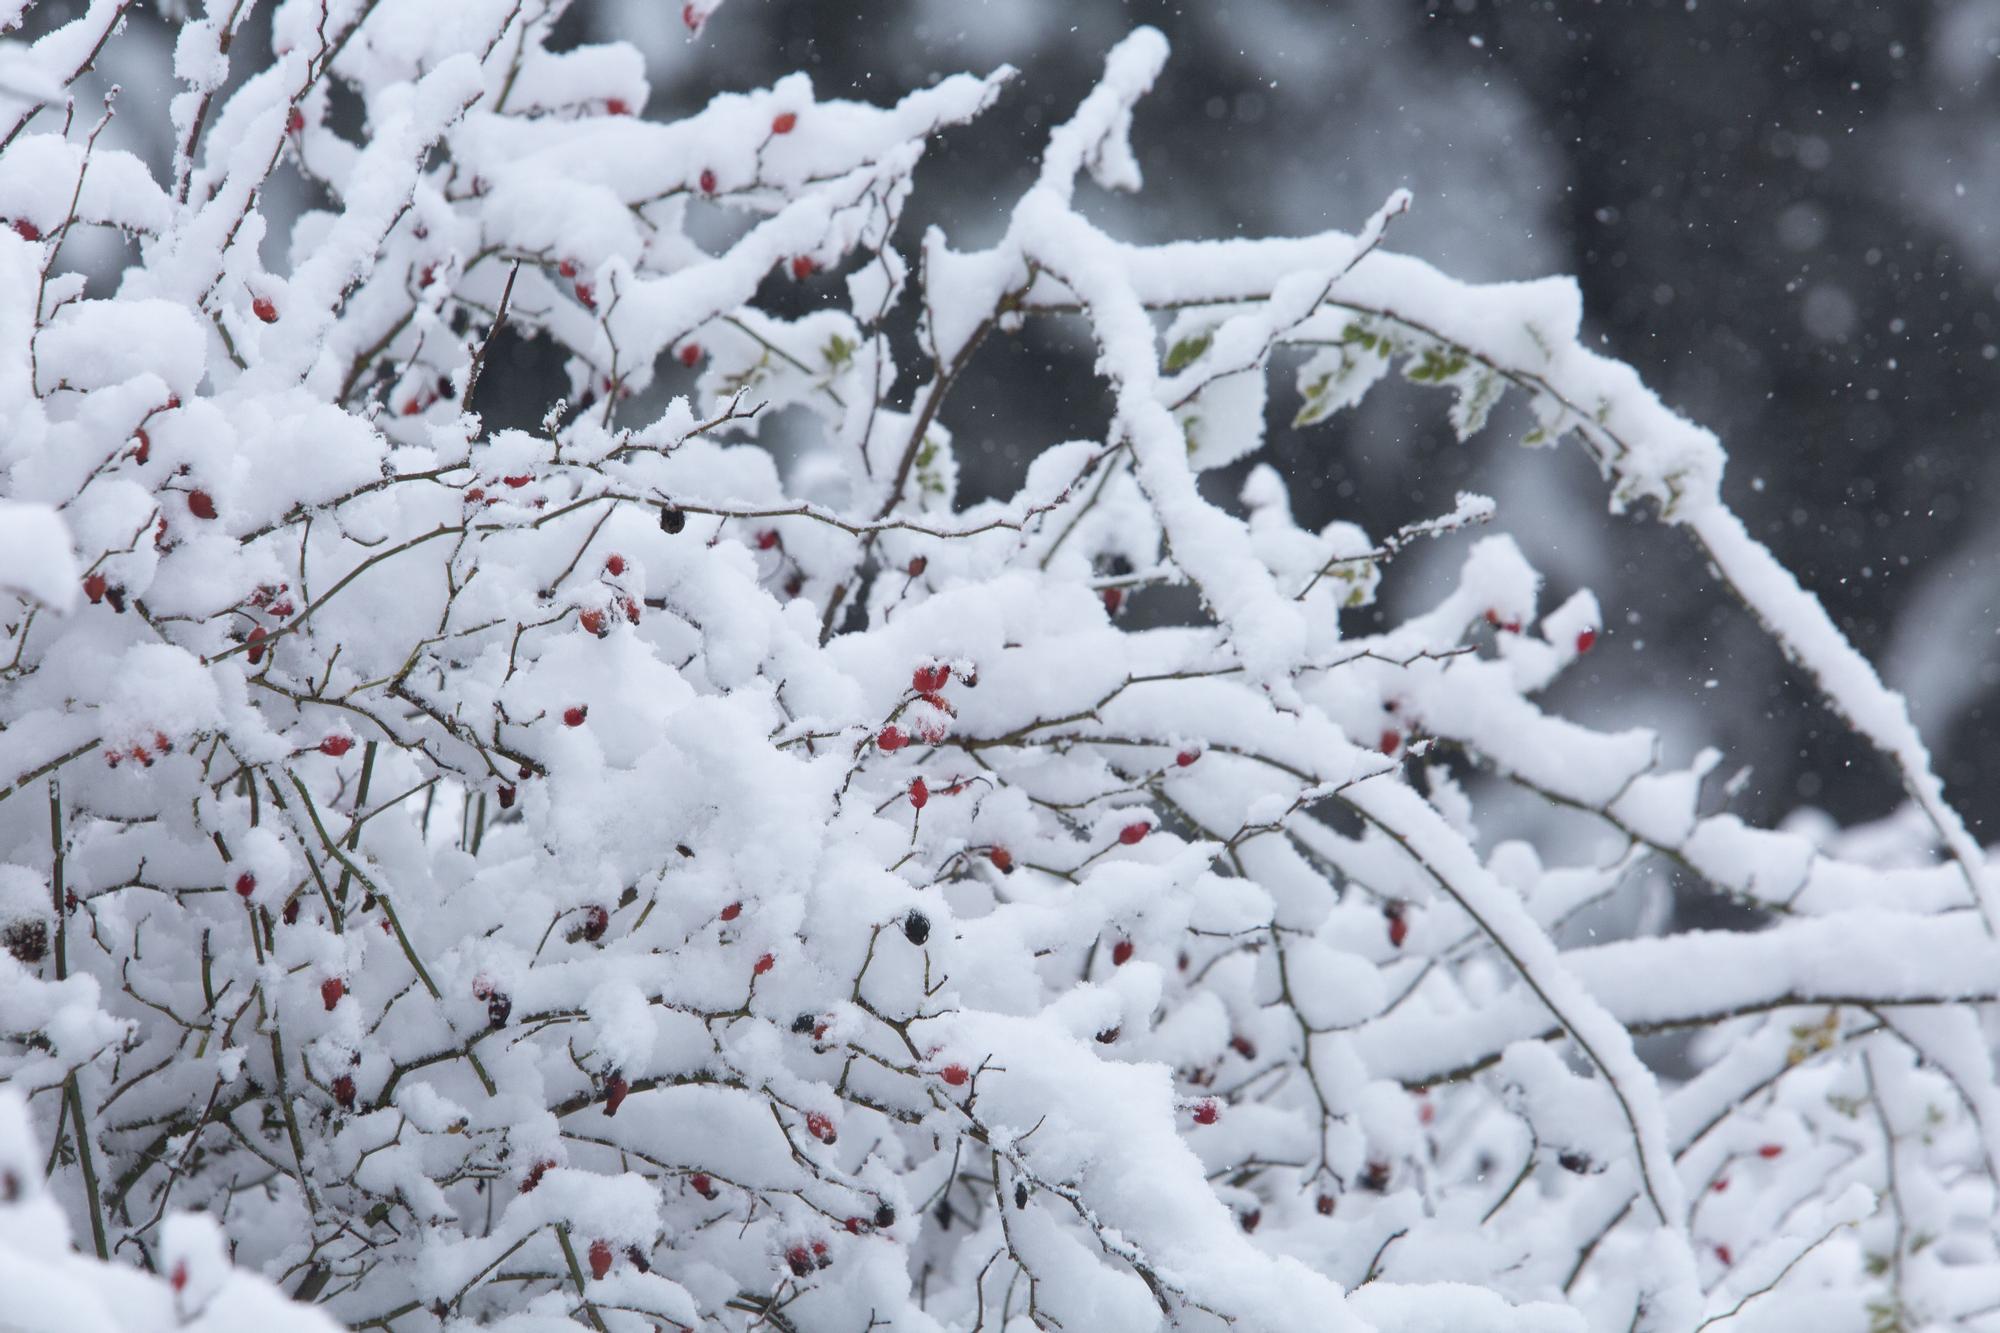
[{"x": 524, "y": 877}]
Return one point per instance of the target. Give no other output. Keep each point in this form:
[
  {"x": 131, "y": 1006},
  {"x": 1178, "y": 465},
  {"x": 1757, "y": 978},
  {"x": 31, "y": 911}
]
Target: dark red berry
[
  {"x": 1205, "y": 1112},
  {"x": 731, "y": 912},
  {"x": 930, "y": 679},
  {"x": 765, "y": 962},
  {"x": 707, "y": 181},
  {"x": 295, "y": 120},
  {"x": 330, "y": 992},
  {"x": 702, "y": 1185},
  {"x": 27, "y": 230},
  {"x": 800, "y": 1260},
  {"x": 574, "y": 715},
  {"x": 614, "y": 565},
  {"x": 1391, "y": 741},
  {"x": 918, "y": 564},
  {"x": 804, "y": 267},
  {"x": 246, "y": 884},
  {"x": 1243, "y": 1046},
  {"x": 919, "y": 794},
  {"x": 1002, "y": 859},
  {"x": 595, "y": 922},
  {"x": 93, "y": 588},
  {"x": 618, "y": 106},
  {"x": 614, "y": 1093},
  {"x": 767, "y": 539},
  {"x": 534, "y": 1176},
  {"x": 600, "y": 1259},
  {"x": 1113, "y": 599},
  {"x": 1187, "y": 757},
  {"x": 506, "y": 795},
  {"x": 891, "y": 738},
  {"x": 1134, "y": 832},
  {"x": 144, "y": 449},
  {"x": 1324, "y": 1205},
  {"x": 1770, "y": 1150},
  {"x": 1586, "y": 641},
  {"x": 820, "y": 1126},
  {"x": 265, "y": 309},
  {"x": 956, "y": 1075},
  {"x": 1121, "y": 953},
  {"x": 343, "y": 1091},
  {"x": 256, "y": 642},
  {"x": 784, "y": 122},
  {"x": 690, "y": 355},
  {"x": 201, "y": 504},
  {"x": 336, "y": 745}
]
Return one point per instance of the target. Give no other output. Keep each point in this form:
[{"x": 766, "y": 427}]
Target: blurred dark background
[{"x": 1782, "y": 214}]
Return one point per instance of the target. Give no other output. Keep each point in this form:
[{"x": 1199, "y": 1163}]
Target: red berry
[
  {"x": 574, "y": 715},
  {"x": 93, "y": 588},
  {"x": 1243, "y": 1046},
  {"x": 731, "y": 912},
  {"x": 201, "y": 504},
  {"x": 592, "y": 620},
  {"x": 1187, "y": 757},
  {"x": 956, "y": 1075},
  {"x": 1205, "y": 1113},
  {"x": 27, "y": 230},
  {"x": 1121, "y": 953},
  {"x": 784, "y": 122},
  {"x": 336, "y": 745},
  {"x": 295, "y": 120},
  {"x": 517, "y": 482},
  {"x": 1251, "y": 1219},
  {"x": 855, "y": 1226},
  {"x": 1324, "y": 1204},
  {"x": 891, "y": 738},
  {"x": 567, "y": 268},
  {"x": 804, "y": 267},
  {"x": 343, "y": 1091},
  {"x": 1722, "y": 1253},
  {"x": 691, "y": 17},
  {"x": 534, "y": 1176},
  {"x": 702, "y": 1184},
  {"x": 256, "y": 642},
  {"x": 618, "y": 106},
  {"x": 330, "y": 992},
  {"x": 1586, "y": 641},
  {"x": 765, "y": 962},
  {"x": 820, "y": 1126},
  {"x": 800, "y": 1260},
  {"x": 246, "y": 884},
  {"x": 918, "y": 564},
  {"x": 767, "y": 539},
  {"x": 600, "y": 1259},
  {"x": 595, "y": 921},
  {"x": 930, "y": 679},
  {"x": 1399, "y": 930},
  {"x": 1133, "y": 832},
  {"x": 1770, "y": 1150},
  {"x": 586, "y": 296},
  {"x": 1390, "y": 741},
  {"x": 1721, "y": 1185},
  {"x": 1002, "y": 859},
  {"x": 1113, "y": 599},
  {"x": 145, "y": 449},
  {"x": 179, "y": 1280},
  {"x": 707, "y": 181},
  {"x": 265, "y": 309},
  {"x": 919, "y": 793},
  {"x": 615, "y": 565},
  {"x": 614, "y": 1094},
  {"x": 291, "y": 912},
  {"x": 506, "y": 795},
  {"x": 631, "y": 609}
]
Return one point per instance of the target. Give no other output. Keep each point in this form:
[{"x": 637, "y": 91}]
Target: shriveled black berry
[
  {"x": 672, "y": 520},
  {"x": 803, "y": 1024},
  {"x": 498, "y": 1009},
  {"x": 1020, "y": 1195},
  {"x": 1573, "y": 1161},
  {"x": 27, "y": 940},
  {"x": 885, "y": 1217},
  {"x": 916, "y": 927}
]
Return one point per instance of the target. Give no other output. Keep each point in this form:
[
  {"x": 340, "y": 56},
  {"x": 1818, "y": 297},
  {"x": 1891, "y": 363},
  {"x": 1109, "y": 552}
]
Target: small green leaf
[{"x": 1186, "y": 352}]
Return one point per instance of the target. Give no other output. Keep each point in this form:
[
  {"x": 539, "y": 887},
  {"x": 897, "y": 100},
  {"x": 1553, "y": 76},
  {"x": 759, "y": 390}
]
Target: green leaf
[{"x": 1187, "y": 351}]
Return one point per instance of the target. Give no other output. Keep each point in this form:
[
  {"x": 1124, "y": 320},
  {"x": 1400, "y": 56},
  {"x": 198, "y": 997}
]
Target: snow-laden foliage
[{"x": 519, "y": 878}]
